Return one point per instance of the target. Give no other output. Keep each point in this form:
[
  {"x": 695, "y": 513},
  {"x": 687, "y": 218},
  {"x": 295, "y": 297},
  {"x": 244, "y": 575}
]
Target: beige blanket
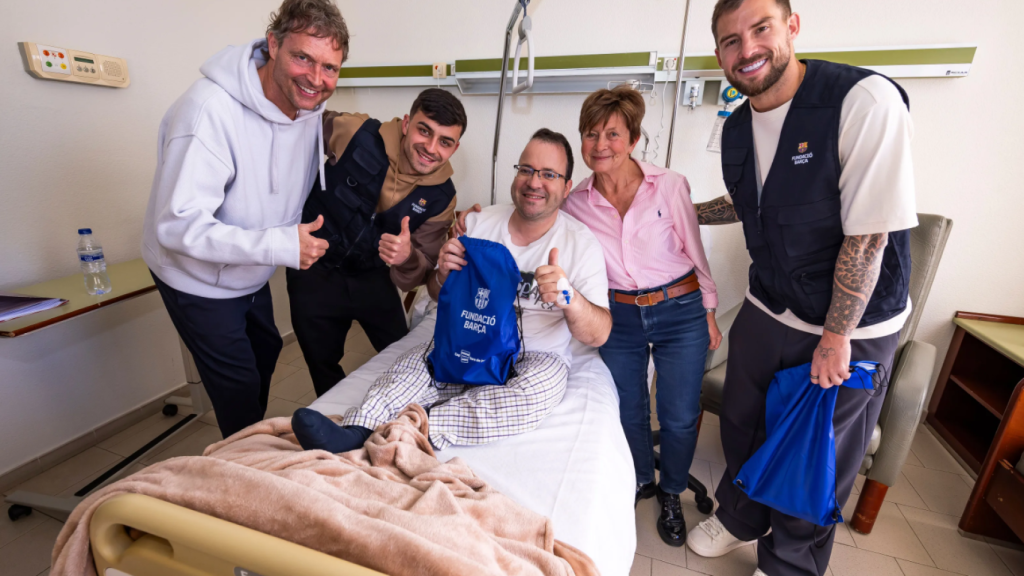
[{"x": 390, "y": 506}]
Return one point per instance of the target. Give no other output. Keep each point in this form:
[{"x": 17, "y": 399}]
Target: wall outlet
[
  {"x": 670, "y": 64},
  {"x": 440, "y": 70}
]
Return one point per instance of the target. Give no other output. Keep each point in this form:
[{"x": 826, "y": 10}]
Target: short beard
[{"x": 777, "y": 67}]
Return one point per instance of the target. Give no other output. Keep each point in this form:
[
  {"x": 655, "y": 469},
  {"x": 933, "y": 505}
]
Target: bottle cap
[{"x": 83, "y": 231}]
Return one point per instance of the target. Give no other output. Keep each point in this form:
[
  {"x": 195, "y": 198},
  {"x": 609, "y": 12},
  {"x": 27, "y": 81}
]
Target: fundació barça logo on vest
[
  {"x": 420, "y": 207},
  {"x": 803, "y": 156},
  {"x": 482, "y": 298}
]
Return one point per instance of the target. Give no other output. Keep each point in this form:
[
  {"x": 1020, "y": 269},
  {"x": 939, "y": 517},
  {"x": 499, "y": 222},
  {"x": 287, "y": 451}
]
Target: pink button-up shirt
[{"x": 657, "y": 242}]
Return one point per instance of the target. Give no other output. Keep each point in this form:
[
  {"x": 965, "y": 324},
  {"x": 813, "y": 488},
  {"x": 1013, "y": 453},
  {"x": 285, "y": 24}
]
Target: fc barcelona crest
[
  {"x": 423, "y": 201},
  {"x": 483, "y": 296},
  {"x": 802, "y": 147}
]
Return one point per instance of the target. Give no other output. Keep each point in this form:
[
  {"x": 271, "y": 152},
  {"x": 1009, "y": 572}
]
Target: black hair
[
  {"x": 442, "y": 107},
  {"x": 556, "y": 138}
]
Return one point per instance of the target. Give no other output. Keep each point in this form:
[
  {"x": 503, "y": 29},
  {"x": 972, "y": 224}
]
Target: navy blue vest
[
  {"x": 795, "y": 234},
  {"x": 352, "y": 225}
]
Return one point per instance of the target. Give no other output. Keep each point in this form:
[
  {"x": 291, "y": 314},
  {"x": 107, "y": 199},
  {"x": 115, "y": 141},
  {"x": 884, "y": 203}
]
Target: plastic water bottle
[{"x": 94, "y": 268}]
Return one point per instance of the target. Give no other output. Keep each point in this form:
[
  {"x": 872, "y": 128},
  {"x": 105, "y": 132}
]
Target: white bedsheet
[{"x": 575, "y": 468}]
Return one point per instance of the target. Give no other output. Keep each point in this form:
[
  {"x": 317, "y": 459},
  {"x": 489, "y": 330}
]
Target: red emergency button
[
  {"x": 60, "y": 55},
  {"x": 46, "y": 52}
]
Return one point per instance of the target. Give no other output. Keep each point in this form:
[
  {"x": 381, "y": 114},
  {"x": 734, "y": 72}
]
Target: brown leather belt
[{"x": 681, "y": 288}]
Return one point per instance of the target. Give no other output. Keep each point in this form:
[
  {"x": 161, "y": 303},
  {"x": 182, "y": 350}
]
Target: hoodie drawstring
[
  {"x": 273, "y": 158},
  {"x": 321, "y": 155}
]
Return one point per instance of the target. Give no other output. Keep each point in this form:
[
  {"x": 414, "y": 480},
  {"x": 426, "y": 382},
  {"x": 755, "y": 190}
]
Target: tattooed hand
[{"x": 831, "y": 363}]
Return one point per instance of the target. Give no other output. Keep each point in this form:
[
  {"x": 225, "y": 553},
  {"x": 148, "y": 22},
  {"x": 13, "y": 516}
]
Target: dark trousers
[
  {"x": 676, "y": 332},
  {"x": 760, "y": 346},
  {"x": 235, "y": 344},
  {"x": 325, "y": 301}
]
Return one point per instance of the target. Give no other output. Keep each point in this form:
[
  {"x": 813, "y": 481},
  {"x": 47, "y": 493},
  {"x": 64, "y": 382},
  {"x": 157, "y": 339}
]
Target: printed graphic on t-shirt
[{"x": 529, "y": 289}]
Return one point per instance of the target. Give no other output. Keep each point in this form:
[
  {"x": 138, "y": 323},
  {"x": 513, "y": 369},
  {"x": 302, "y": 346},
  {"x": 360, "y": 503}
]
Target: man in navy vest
[
  {"x": 386, "y": 209},
  {"x": 818, "y": 171}
]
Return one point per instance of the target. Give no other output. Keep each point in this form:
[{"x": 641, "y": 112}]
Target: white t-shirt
[
  {"x": 579, "y": 255},
  {"x": 876, "y": 183}
]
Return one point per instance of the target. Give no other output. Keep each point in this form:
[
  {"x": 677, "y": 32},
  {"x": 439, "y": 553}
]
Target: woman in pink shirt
[{"x": 662, "y": 299}]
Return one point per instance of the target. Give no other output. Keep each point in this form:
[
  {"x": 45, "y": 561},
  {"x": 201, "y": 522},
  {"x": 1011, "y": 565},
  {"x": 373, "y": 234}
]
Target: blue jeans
[{"x": 676, "y": 332}]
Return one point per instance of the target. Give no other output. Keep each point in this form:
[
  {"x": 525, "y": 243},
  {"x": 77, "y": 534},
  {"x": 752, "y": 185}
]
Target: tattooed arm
[
  {"x": 717, "y": 211},
  {"x": 857, "y": 269}
]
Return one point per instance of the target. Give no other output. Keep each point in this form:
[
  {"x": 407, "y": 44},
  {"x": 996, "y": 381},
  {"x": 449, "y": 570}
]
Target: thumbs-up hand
[
  {"x": 547, "y": 277},
  {"x": 396, "y": 249},
  {"x": 311, "y": 248}
]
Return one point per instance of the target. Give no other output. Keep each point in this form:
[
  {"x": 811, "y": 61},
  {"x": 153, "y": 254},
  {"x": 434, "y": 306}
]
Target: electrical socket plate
[
  {"x": 688, "y": 86},
  {"x": 670, "y": 64},
  {"x": 440, "y": 70}
]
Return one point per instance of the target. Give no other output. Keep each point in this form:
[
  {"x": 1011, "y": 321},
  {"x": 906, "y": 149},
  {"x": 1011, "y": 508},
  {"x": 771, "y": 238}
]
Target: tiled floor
[{"x": 915, "y": 535}]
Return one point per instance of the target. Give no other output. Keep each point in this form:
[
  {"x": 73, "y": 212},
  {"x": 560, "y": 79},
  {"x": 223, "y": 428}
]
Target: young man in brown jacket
[{"x": 386, "y": 208}]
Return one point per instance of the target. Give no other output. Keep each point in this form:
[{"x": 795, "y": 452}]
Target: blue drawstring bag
[
  {"x": 476, "y": 337},
  {"x": 794, "y": 471}
]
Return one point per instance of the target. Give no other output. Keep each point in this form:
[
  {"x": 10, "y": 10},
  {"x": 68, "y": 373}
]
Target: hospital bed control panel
[{"x": 56, "y": 63}]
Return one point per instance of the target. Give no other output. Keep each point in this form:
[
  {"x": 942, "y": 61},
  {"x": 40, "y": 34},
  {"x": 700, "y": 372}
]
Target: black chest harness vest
[
  {"x": 352, "y": 225},
  {"x": 795, "y": 232}
]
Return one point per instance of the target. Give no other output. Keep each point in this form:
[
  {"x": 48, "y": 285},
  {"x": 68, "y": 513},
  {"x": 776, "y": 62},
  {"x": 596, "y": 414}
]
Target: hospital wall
[{"x": 74, "y": 156}]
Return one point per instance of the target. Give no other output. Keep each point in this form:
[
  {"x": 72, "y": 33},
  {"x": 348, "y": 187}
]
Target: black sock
[{"x": 318, "y": 432}]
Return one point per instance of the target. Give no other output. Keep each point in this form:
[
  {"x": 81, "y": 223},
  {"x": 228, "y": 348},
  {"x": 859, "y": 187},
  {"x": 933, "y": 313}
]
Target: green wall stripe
[
  {"x": 914, "y": 56},
  {"x": 560, "y": 62},
  {"x": 389, "y": 71},
  {"x": 906, "y": 57}
]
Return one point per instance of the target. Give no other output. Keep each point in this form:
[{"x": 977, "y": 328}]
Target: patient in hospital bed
[{"x": 547, "y": 245}]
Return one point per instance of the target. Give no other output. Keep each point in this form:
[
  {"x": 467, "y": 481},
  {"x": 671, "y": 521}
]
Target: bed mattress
[{"x": 575, "y": 468}]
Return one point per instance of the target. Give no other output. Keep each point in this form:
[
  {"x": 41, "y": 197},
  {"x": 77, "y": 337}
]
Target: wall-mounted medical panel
[
  {"x": 560, "y": 74},
  {"x": 588, "y": 72},
  {"x": 68, "y": 65},
  {"x": 401, "y": 75},
  {"x": 946, "y": 61}
]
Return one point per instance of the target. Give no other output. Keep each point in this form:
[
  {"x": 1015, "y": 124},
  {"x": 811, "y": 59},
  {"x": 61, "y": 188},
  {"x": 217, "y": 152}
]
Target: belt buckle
[{"x": 639, "y": 296}]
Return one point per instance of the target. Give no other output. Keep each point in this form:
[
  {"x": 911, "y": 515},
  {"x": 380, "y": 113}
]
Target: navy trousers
[
  {"x": 675, "y": 331},
  {"x": 760, "y": 346},
  {"x": 324, "y": 302},
  {"x": 235, "y": 344}
]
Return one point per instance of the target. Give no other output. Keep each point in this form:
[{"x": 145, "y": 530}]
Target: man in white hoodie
[{"x": 237, "y": 156}]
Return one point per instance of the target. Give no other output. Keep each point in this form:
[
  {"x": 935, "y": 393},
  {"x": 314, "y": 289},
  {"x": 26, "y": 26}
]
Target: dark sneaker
[{"x": 671, "y": 524}]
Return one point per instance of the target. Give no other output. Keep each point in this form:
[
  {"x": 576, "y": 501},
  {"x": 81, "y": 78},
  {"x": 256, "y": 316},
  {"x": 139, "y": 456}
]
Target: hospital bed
[{"x": 575, "y": 468}]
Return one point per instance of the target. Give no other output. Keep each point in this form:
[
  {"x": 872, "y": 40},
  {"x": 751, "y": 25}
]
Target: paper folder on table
[{"x": 17, "y": 305}]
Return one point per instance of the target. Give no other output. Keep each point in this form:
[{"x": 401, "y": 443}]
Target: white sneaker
[
  {"x": 759, "y": 573},
  {"x": 710, "y": 539}
]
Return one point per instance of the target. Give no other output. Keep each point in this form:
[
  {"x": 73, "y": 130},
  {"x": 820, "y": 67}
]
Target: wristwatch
[{"x": 711, "y": 310}]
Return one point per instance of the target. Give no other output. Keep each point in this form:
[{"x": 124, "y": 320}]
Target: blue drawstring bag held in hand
[
  {"x": 476, "y": 337},
  {"x": 794, "y": 471}
]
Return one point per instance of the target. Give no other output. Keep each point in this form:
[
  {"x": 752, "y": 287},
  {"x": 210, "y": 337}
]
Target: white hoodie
[{"x": 232, "y": 174}]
